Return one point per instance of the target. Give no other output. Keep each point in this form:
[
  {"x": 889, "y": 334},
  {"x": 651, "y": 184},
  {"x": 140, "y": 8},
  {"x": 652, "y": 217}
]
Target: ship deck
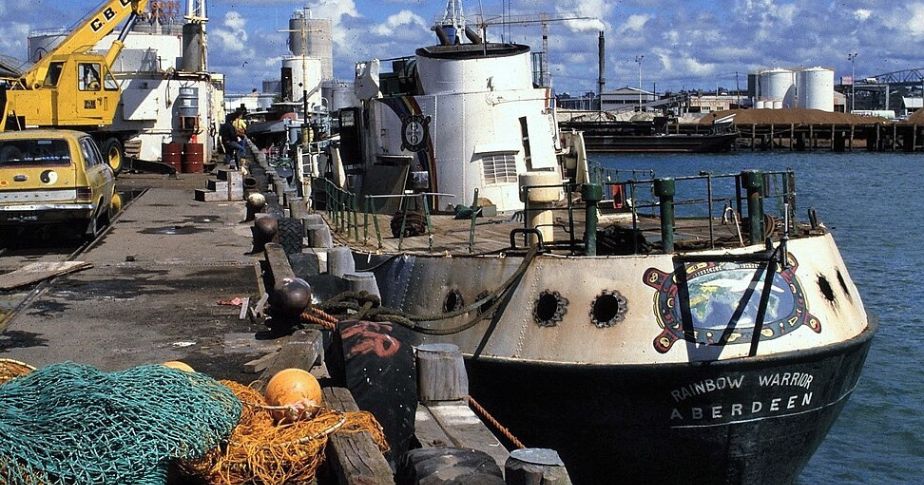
[{"x": 448, "y": 235}]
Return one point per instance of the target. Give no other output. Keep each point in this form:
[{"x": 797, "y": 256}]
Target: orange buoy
[
  {"x": 175, "y": 364},
  {"x": 295, "y": 389}
]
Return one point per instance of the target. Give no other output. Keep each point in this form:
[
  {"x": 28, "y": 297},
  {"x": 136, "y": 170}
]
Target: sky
[{"x": 685, "y": 44}]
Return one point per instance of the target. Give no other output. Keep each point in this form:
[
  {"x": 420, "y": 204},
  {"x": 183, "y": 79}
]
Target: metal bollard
[
  {"x": 753, "y": 182},
  {"x": 665, "y": 189},
  {"x": 592, "y": 194}
]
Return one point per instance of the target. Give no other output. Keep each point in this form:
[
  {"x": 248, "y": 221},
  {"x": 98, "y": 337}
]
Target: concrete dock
[
  {"x": 160, "y": 289},
  {"x": 153, "y": 291}
]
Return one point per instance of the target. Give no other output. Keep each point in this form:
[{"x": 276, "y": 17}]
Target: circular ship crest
[{"x": 723, "y": 300}]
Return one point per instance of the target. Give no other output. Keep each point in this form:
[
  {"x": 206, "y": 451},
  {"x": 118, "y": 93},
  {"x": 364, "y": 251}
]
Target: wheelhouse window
[
  {"x": 34, "y": 153},
  {"x": 499, "y": 168}
]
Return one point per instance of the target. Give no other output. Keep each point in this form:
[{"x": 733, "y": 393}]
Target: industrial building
[{"x": 625, "y": 98}]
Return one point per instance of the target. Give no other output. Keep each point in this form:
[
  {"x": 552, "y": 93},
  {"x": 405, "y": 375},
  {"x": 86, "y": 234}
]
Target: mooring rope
[
  {"x": 478, "y": 408},
  {"x": 369, "y": 307}
]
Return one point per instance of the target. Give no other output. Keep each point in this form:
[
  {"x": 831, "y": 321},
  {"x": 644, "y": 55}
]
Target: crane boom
[{"x": 90, "y": 31}]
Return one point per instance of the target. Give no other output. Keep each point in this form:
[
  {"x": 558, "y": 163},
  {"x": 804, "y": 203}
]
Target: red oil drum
[
  {"x": 171, "y": 154},
  {"x": 192, "y": 158}
]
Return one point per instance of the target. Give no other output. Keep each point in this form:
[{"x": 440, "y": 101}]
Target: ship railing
[
  {"x": 768, "y": 197},
  {"x": 344, "y": 209},
  {"x": 421, "y": 202},
  {"x": 611, "y": 178}
]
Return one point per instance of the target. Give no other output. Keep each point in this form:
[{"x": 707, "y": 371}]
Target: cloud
[
  {"x": 13, "y": 39},
  {"x": 597, "y": 10},
  {"x": 400, "y": 20},
  {"x": 862, "y": 14},
  {"x": 231, "y": 37}
]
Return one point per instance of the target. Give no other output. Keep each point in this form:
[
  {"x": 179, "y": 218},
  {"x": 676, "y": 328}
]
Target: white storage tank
[
  {"x": 816, "y": 89},
  {"x": 760, "y": 104},
  {"x": 41, "y": 44},
  {"x": 312, "y": 38},
  {"x": 339, "y": 94},
  {"x": 305, "y": 76},
  {"x": 778, "y": 84}
]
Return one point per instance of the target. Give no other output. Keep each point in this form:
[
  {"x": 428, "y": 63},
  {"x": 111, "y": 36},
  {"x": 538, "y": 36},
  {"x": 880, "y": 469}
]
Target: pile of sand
[
  {"x": 795, "y": 116},
  {"x": 917, "y": 118}
]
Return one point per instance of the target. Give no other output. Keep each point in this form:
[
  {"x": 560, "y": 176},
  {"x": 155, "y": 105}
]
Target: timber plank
[
  {"x": 353, "y": 457},
  {"x": 466, "y": 430},
  {"x": 301, "y": 350},
  {"x": 428, "y": 431},
  {"x": 35, "y": 272}
]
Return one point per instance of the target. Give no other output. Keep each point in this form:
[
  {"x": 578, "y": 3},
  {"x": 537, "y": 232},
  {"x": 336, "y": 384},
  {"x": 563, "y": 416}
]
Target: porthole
[
  {"x": 549, "y": 309},
  {"x": 453, "y": 301},
  {"x": 608, "y": 309}
]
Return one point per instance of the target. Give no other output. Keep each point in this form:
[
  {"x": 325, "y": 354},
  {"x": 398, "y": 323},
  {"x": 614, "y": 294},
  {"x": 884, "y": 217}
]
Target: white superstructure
[{"x": 467, "y": 114}]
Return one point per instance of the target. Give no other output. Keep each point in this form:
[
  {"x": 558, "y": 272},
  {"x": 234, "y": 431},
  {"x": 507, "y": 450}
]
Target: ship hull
[
  {"x": 752, "y": 420},
  {"x": 660, "y": 143}
]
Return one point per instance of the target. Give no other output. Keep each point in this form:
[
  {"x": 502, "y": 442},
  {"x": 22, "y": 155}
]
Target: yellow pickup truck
[{"x": 54, "y": 177}]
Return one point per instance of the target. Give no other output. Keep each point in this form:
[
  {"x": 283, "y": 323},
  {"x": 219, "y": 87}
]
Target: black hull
[
  {"x": 659, "y": 143},
  {"x": 744, "y": 421}
]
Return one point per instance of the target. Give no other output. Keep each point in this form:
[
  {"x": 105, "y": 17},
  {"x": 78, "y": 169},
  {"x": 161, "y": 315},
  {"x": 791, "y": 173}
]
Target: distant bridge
[{"x": 907, "y": 77}]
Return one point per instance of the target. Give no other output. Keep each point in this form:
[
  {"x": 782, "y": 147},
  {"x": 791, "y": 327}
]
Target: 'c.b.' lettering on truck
[{"x": 108, "y": 14}]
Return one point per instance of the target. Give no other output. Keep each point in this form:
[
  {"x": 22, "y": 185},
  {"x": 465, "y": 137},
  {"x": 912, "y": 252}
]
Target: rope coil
[{"x": 260, "y": 451}]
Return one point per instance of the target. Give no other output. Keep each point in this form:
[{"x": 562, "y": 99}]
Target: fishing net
[
  {"x": 10, "y": 368},
  {"x": 72, "y": 424},
  {"x": 260, "y": 451}
]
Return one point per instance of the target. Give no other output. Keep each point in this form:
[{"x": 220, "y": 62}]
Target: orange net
[
  {"x": 10, "y": 368},
  {"x": 260, "y": 451}
]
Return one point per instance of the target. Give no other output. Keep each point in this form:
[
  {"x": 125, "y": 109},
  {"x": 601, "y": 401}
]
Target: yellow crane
[{"x": 71, "y": 87}]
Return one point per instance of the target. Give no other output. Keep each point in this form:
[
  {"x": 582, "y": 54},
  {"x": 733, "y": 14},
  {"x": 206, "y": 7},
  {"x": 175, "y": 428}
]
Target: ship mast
[{"x": 454, "y": 18}]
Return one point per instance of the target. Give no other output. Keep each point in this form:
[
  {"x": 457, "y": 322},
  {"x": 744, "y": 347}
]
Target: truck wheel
[{"x": 113, "y": 153}]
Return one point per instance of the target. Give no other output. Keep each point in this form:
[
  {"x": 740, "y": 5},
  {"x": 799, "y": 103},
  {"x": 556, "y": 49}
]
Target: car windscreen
[{"x": 35, "y": 152}]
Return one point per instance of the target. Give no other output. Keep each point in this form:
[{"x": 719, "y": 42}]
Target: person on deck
[{"x": 231, "y": 142}]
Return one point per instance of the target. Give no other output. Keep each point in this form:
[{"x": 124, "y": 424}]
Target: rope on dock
[{"x": 478, "y": 408}]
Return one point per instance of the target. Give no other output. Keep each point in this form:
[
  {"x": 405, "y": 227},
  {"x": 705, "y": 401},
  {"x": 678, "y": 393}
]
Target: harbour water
[{"x": 872, "y": 204}]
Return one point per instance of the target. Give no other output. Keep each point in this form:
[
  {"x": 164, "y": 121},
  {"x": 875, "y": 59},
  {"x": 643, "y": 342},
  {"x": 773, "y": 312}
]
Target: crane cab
[{"x": 78, "y": 91}]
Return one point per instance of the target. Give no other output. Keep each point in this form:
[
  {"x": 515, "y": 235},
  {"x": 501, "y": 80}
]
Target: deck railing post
[
  {"x": 632, "y": 192},
  {"x": 592, "y": 194},
  {"x": 665, "y": 190},
  {"x": 710, "y": 209},
  {"x": 354, "y": 208},
  {"x": 753, "y": 182},
  {"x": 366, "y": 221},
  {"x": 426, "y": 211},
  {"x": 402, "y": 209}
]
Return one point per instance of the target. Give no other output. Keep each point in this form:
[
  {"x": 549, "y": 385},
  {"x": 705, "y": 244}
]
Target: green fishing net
[{"x": 73, "y": 424}]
